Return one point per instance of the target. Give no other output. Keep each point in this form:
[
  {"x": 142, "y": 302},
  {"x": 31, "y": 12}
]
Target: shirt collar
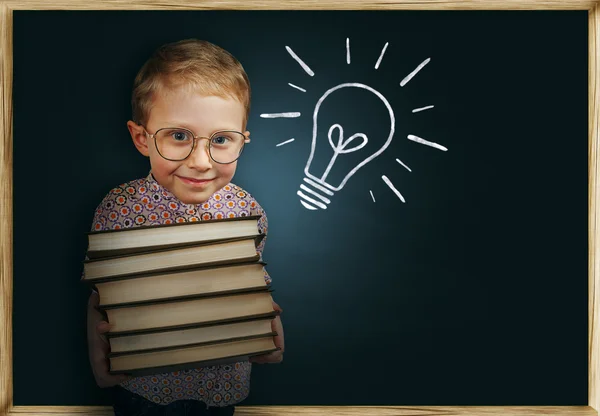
[{"x": 156, "y": 187}]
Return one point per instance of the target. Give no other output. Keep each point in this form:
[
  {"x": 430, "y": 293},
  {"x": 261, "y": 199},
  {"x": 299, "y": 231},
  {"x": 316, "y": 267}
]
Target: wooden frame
[{"x": 6, "y": 191}]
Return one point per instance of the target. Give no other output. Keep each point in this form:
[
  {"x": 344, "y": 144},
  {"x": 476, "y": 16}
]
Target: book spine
[
  {"x": 186, "y": 366},
  {"x": 232, "y": 292},
  {"x": 193, "y": 325},
  {"x": 152, "y": 273},
  {"x": 193, "y": 344},
  {"x": 254, "y": 258}
]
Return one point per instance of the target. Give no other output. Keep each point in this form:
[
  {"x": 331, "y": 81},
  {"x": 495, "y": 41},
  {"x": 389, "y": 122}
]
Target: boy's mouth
[{"x": 192, "y": 181}]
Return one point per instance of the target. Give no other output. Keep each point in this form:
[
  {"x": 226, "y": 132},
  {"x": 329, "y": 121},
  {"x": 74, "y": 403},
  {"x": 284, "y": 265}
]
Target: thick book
[
  {"x": 181, "y": 258},
  {"x": 180, "y": 284},
  {"x": 108, "y": 243},
  {"x": 190, "y": 336},
  {"x": 155, "y": 362},
  {"x": 173, "y": 314}
]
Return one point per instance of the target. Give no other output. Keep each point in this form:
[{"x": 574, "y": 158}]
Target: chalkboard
[{"x": 451, "y": 269}]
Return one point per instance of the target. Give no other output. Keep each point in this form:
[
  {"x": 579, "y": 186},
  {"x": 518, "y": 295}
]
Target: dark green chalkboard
[{"x": 473, "y": 290}]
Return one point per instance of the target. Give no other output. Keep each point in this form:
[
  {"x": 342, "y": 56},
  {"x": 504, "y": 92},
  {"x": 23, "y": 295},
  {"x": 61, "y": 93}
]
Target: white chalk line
[
  {"x": 416, "y": 110},
  {"x": 348, "y": 51},
  {"x": 426, "y": 142},
  {"x": 310, "y": 191},
  {"x": 388, "y": 183},
  {"x": 300, "y": 61},
  {"x": 307, "y": 206},
  {"x": 413, "y": 73},
  {"x": 286, "y": 142},
  {"x": 381, "y": 55},
  {"x": 319, "y": 187},
  {"x": 278, "y": 115},
  {"x": 297, "y": 87},
  {"x": 399, "y": 161},
  {"x": 339, "y": 150},
  {"x": 371, "y": 192},
  {"x": 312, "y": 201}
]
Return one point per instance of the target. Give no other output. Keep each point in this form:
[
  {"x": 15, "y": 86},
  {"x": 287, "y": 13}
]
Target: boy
[{"x": 190, "y": 105}]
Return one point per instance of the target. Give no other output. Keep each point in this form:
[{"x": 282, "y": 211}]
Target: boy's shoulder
[
  {"x": 237, "y": 190},
  {"x": 131, "y": 188},
  {"x": 230, "y": 196}
]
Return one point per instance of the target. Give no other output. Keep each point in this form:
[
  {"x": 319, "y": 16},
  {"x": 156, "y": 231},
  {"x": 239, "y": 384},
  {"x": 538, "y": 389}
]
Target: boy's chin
[
  {"x": 196, "y": 196},
  {"x": 199, "y": 198}
]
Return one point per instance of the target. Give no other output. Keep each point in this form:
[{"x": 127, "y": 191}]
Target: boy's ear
[{"x": 140, "y": 140}]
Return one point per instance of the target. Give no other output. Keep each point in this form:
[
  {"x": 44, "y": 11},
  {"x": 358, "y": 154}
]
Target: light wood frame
[{"x": 6, "y": 192}]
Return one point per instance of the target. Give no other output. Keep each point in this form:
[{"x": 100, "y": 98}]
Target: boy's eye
[
  {"x": 220, "y": 139},
  {"x": 175, "y": 135},
  {"x": 179, "y": 135}
]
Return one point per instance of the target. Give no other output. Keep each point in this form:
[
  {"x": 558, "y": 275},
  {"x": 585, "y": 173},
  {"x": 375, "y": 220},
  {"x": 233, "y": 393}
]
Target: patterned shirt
[{"x": 145, "y": 202}]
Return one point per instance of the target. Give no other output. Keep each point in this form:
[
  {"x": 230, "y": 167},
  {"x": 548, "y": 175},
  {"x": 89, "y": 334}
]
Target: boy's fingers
[
  {"x": 274, "y": 357},
  {"x": 103, "y": 327}
]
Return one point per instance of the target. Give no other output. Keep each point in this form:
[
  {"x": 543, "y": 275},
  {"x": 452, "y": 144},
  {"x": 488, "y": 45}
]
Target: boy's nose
[{"x": 200, "y": 157}]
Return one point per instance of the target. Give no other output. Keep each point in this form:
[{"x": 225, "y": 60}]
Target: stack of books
[{"x": 182, "y": 295}]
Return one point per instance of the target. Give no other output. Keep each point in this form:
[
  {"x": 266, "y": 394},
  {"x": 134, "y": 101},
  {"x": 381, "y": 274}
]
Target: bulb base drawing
[{"x": 312, "y": 195}]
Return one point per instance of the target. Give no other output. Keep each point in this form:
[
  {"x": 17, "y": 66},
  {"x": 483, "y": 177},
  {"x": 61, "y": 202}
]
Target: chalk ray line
[
  {"x": 348, "y": 51},
  {"x": 279, "y": 115},
  {"x": 297, "y": 87},
  {"x": 399, "y": 161},
  {"x": 300, "y": 61},
  {"x": 381, "y": 55},
  {"x": 286, "y": 142},
  {"x": 388, "y": 183},
  {"x": 426, "y": 142},
  {"x": 416, "y": 110},
  {"x": 413, "y": 73}
]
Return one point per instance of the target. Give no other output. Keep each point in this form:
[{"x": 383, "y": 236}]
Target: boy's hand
[
  {"x": 275, "y": 356},
  {"x": 98, "y": 346}
]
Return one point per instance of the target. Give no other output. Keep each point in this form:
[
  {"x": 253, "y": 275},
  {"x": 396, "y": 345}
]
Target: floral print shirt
[{"x": 145, "y": 202}]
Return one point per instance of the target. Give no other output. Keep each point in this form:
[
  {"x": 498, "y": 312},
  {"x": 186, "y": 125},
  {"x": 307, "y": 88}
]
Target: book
[
  {"x": 155, "y": 237},
  {"x": 190, "y": 336},
  {"x": 173, "y": 314},
  {"x": 182, "y": 296},
  {"x": 179, "y": 284},
  {"x": 174, "y": 359},
  {"x": 179, "y": 258}
]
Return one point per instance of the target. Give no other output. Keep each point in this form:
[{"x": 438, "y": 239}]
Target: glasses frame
[{"x": 194, "y": 138}]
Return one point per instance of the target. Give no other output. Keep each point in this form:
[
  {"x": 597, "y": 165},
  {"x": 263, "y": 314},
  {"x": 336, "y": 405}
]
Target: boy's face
[{"x": 195, "y": 179}]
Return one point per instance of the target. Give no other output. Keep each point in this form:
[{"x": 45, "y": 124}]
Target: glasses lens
[
  {"x": 174, "y": 144},
  {"x": 226, "y": 146}
]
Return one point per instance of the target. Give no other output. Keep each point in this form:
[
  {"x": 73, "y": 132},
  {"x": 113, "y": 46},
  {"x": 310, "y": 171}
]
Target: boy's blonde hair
[{"x": 194, "y": 64}]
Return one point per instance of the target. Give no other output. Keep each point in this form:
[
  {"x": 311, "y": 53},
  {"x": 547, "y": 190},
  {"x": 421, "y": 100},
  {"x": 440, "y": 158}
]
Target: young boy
[{"x": 190, "y": 105}]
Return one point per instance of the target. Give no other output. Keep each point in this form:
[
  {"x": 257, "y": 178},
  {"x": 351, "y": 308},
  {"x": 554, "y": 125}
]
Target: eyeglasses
[{"x": 176, "y": 144}]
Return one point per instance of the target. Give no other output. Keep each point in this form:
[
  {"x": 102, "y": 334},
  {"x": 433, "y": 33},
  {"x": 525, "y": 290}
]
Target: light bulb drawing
[
  {"x": 347, "y": 143},
  {"x": 340, "y": 146}
]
